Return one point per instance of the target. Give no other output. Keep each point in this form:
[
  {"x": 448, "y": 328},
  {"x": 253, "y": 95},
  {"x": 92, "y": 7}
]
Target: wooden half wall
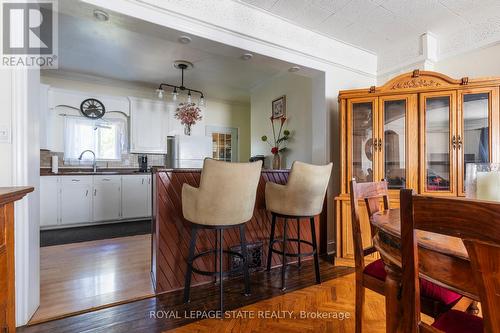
[{"x": 171, "y": 232}]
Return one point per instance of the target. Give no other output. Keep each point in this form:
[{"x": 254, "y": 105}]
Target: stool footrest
[{"x": 295, "y": 255}]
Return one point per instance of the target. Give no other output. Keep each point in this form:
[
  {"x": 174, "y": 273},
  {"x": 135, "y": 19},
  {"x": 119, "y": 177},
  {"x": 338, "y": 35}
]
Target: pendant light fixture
[{"x": 176, "y": 90}]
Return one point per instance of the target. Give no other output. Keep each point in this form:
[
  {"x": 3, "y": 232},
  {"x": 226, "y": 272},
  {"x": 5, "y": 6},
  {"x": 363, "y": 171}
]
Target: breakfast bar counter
[{"x": 171, "y": 232}]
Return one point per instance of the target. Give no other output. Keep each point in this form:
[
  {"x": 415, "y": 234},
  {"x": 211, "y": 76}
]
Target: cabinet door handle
[
  {"x": 95, "y": 192},
  {"x": 459, "y": 142},
  {"x": 87, "y": 193},
  {"x": 75, "y": 180},
  {"x": 142, "y": 181},
  {"x": 379, "y": 144},
  {"x": 106, "y": 179},
  {"x": 454, "y": 142}
]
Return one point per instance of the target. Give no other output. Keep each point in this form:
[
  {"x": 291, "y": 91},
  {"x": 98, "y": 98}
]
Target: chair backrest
[
  {"x": 477, "y": 223},
  {"x": 371, "y": 193},
  {"x": 228, "y": 190},
  {"x": 307, "y": 185}
]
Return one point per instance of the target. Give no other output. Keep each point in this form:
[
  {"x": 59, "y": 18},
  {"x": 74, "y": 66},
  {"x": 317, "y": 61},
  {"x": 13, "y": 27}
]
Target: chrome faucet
[{"x": 94, "y": 164}]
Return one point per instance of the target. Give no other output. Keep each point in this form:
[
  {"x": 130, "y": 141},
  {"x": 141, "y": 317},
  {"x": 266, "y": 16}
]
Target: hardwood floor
[
  {"x": 88, "y": 275},
  {"x": 136, "y": 316}
]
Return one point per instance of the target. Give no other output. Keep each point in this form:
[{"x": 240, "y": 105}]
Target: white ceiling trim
[{"x": 318, "y": 51}]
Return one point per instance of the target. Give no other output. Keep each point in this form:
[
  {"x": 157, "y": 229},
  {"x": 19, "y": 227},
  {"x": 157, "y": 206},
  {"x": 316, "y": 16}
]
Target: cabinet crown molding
[{"x": 421, "y": 81}]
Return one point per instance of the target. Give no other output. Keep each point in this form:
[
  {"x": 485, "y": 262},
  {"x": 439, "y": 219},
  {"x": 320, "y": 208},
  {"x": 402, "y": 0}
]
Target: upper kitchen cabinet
[
  {"x": 60, "y": 102},
  {"x": 149, "y": 126}
]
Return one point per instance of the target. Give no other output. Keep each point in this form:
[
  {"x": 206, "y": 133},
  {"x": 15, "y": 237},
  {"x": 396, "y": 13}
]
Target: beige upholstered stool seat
[
  {"x": 225, "y": 199},
  {"x": 226, "y": 195},
  {"x": 303, "y": 194},
  {"x": 301, "y": 197}
]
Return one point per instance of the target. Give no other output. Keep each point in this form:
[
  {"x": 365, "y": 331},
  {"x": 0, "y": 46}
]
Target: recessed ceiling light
[
  {"x": 184, "y": 39},
  {"x": 101, "y": 15},
  {"x": 294, "y": 69},
  {"x": 247, "y": 56}
]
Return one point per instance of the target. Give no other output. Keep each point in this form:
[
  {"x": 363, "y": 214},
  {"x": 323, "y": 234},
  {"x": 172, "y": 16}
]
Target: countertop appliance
[
  {"x": 188, "y": 151},
  {"x": 143, "y": 163}
]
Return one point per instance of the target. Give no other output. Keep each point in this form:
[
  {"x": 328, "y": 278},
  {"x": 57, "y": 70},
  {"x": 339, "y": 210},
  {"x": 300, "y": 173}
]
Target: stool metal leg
[
  {"x": 271, "y": 240},
  {"x": 244, "y": 252},
  {"x": 189, "y": 271},
  {"x": 298, "y": 237},
  {"x": 215, "y": 255},
  {"x": 221, "y": 254},
  {"x": 283, "y": 267},
  {"x": 315, "y": 250}
]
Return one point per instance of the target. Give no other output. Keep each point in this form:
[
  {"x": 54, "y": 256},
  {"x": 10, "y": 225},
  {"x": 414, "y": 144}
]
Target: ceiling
[
  {"x": 127, "y": 49},
  {"x": 377, "y": 25}
]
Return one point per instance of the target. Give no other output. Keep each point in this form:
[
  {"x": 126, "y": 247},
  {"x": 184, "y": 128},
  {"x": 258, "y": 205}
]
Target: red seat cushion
[
  {"x": 427, "y": 288},
  {"x": 455, "y": 321}
]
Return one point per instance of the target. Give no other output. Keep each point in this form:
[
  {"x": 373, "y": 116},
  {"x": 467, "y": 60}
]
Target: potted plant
[
  {"x": 278, "y": 145},
  {"x": 188, "y": 114}
]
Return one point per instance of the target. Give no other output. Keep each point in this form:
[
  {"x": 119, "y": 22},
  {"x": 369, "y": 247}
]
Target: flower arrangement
[
  {"x": 279, "y": 142},
  {"x": 188, "y": 114}
]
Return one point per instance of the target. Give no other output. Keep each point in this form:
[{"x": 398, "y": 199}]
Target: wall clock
[{"x": 92, "y": 108}]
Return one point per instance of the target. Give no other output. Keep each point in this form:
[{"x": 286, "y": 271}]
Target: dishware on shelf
[{"x": 483, "y": 181}]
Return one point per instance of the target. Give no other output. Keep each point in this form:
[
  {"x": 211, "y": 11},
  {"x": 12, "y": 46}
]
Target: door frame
[
  {"x": 452, "y": 95},
  {"x": 411, "y": 136},
  {"x": 493, "y": 135},
  {"x": 235, "y": 138}
]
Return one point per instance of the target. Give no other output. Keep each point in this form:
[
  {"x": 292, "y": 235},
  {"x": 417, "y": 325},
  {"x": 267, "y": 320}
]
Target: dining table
[{"x": 442, "y": 260}]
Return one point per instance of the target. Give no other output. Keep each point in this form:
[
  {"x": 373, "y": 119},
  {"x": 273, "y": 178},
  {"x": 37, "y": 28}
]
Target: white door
[
  {"x": 107, "y": 198},
  {"x": 135, "y": 196},
  {"x": 149, "y": 121},
  {"x": 76, "y": 199},
  {"x": 224, "y": 142},
  {"x": 49, "y": 201}
]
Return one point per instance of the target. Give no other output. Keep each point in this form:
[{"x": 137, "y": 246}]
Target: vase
[
  {"x": 277, "y": 161},
  {"x": 187, "y": 129}
]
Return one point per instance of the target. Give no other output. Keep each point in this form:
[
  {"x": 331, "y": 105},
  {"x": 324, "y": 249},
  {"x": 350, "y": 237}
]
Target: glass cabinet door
[
  {"x": 361, "y": 139},
  {"x": 437, "y": 172},
  {"x": 395, "y": 116},
  {"x": 474, "y": 140}
]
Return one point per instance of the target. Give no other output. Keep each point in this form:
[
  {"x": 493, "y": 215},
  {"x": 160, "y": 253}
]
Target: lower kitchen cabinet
[
  {"x": 76, "y": 199},
  {"x": 49, "y": 201},
  {"x": 107, "y": 198},
  {"x": 68, "y": 200},
  {"x": 134, "y": 189}
]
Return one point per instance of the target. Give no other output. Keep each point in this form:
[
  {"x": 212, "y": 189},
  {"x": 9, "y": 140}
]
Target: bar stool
[
  {"x": 225, "y": 199},
  {"x": 302, "y": 197}
]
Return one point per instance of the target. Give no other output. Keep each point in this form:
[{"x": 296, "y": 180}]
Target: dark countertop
[
  {"x": 89, "y": 172},
  {"x": 163, "y": 169}
]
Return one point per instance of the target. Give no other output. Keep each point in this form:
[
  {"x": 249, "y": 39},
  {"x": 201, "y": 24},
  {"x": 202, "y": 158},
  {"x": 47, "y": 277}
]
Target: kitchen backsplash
[{"x": 127, "y": 161}]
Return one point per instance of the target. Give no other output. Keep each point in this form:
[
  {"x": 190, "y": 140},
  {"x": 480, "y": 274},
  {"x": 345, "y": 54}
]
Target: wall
[
  {"x": 478, "y": 63},
  {"x": 19, "y": 166},
  {"x": 297, "y": 89},
  {"x": 215, "y": 113}
]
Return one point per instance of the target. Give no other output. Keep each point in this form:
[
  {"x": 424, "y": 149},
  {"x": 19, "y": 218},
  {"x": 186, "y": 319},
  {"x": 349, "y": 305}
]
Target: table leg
[{"x": 393, "y": 311}]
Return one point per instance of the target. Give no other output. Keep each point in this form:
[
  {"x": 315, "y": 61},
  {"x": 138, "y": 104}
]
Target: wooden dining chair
[
  {"x": 477, "y": 223},
  {"x": 435, "y": 299}
]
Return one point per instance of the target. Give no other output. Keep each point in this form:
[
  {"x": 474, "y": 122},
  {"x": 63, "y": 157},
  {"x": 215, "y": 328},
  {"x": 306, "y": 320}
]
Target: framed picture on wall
[{"x": 279, "y": 108}]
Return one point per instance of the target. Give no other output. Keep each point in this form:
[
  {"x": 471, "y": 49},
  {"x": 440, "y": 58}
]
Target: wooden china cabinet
[{"x": 417, "y": 131}]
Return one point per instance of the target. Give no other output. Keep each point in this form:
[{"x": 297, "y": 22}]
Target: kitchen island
[{"x": 171, "y": 232}]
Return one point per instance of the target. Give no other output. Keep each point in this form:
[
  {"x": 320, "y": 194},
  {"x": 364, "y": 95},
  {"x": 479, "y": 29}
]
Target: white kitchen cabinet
[
  {"x": 76, "y": 199},
  {"x": 135, "y": 196},
  {"x": 149, "y": 126},
  {"x": 107, "y": 198},
  {"x": 49, "y": 201},
  {"x": 150, "y": 195}
]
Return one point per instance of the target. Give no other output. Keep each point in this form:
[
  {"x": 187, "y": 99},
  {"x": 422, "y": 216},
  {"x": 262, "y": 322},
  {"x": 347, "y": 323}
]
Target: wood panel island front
[{"x": 171, "y": 232}]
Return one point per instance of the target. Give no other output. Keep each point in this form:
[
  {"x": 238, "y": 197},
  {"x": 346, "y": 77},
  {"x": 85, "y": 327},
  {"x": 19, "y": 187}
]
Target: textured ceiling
[
  {"x": 127, "y": 49},
  {"x": 378, "y": 25}
]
